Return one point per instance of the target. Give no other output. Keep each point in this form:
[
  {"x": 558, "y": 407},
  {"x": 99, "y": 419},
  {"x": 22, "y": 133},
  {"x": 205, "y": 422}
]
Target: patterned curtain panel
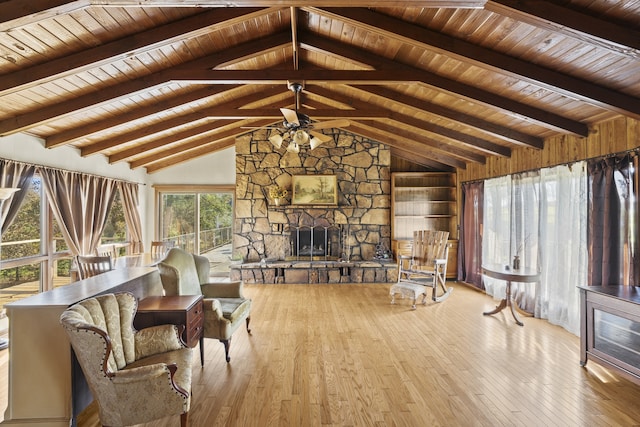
[
  {"x": 80, "y": 204},
  {"x": 14, "y": 175}
]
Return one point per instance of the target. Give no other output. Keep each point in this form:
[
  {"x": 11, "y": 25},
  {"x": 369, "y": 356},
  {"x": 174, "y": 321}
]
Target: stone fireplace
[{"x": 266, "y": 232}]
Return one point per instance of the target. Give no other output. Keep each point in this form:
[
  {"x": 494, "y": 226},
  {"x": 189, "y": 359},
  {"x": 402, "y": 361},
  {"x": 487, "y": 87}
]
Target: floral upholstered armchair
[
  {"x": 225, "y": 307},
  {"x": 135, "y": 376}
]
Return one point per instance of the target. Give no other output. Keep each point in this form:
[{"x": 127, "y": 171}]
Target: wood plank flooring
[{"x": 341, "y": 355}]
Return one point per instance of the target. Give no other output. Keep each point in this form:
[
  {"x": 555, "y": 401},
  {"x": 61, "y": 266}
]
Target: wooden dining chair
[
  {"x": 89, "y": 266},
  {"x": 159, "y": 248},
  {"x": 107, "y": 250}
]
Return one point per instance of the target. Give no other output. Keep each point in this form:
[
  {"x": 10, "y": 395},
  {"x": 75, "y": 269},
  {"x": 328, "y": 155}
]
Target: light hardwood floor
[{"x": 341, "y": 355}]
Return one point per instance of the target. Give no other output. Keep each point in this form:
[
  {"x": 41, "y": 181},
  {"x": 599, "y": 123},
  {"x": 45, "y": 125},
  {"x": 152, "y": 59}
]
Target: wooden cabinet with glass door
[{"x": 424, "y": 201}]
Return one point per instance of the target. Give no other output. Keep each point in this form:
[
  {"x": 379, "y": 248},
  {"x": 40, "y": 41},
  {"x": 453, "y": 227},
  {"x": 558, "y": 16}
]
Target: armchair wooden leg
[
  {"x": 184, "y": 419},
  {"x": 248, "y": 320},
  {"x": 227, "y": 344}
]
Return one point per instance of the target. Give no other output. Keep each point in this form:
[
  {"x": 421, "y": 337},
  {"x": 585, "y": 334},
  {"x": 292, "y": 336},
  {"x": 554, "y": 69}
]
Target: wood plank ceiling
[{"x": 444, "y": 82}]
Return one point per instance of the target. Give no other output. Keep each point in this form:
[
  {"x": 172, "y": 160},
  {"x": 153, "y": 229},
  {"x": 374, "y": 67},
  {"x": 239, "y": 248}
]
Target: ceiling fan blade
[
  {"x": 321, "y": 136},
  {"x": 318, "y": 139},
  {"x": 338, "y": 123},
  {"x": 290, "y": 116}
]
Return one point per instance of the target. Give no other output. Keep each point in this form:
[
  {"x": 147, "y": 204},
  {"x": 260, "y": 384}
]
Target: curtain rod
[
  {"x": 635, "y": 150},
  {"x": 67, "y": 170}
]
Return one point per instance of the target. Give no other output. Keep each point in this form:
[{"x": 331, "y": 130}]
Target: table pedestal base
[{"x": 506, "y": 302}]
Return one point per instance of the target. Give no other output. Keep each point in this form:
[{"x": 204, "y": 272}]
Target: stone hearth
[{"x": 315, "y": 272}]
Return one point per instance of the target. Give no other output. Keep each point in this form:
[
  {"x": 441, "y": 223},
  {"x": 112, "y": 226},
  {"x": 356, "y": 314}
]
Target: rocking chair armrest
[{"x": 440, "y": 261}]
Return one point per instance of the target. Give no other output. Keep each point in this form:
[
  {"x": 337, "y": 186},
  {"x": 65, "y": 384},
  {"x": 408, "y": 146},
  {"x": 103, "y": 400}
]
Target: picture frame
[{"x": 314, "y": 190}]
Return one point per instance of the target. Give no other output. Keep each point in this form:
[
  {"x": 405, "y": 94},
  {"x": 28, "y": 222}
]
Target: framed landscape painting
[{"x": 314, "y": 190}]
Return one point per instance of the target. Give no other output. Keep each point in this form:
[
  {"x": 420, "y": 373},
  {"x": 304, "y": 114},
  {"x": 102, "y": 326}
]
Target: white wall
[{"x": 214, "y": 169}]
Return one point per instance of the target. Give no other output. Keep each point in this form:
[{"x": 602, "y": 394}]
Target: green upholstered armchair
[
  {"x": 225, "y": 306},
  {"x": 135, "y": 376}
]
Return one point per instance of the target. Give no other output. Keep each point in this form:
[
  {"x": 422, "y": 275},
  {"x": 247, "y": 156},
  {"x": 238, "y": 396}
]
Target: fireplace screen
[{"x": 315, "y": 243}]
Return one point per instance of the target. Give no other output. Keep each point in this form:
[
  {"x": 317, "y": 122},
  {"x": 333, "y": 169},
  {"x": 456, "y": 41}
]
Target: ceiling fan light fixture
[
  {"x": 315, "y": 142},
  {"x": 300, "y": 137},
  {"x": 276, "y": 140},
  {"x": 293, "y": 147}
]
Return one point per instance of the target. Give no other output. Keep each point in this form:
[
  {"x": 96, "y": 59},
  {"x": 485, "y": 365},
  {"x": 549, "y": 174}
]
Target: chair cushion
[
  {"x": 234, "y": 309},
  {"x": 182, "y": 358}
]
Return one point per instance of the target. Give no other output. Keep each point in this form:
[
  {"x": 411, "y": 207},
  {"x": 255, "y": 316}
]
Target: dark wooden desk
[
  {"x": 500, "y": 272},
  {"x": 184, "y": 310}
]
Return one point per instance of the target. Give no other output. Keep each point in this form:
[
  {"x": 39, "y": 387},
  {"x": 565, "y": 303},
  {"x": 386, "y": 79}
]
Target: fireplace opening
[{"x": 315, "y": 243}]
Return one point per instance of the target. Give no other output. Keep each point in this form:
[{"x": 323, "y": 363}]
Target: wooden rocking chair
[{"x": 426, "y": 267}]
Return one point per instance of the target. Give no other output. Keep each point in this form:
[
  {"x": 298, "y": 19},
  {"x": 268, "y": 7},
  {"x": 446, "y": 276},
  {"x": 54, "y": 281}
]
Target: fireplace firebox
[{"x": 317, "y": 243}]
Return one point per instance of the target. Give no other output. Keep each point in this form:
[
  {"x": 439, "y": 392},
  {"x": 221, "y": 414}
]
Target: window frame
[{"x": 160, "y": 190}]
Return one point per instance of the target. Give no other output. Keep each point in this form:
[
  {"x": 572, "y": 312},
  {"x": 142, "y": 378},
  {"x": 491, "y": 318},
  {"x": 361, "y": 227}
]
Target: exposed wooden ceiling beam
[
  {"x": 275, "y": 114},
  {"x": 193, "y": 148},
  {"x": 458, "y": 4},
  {"x": 401, "y": 129},
  {"x": 16, "y": 13},
  {"x": 472, "y": 93},
  {"x": 124, "y": 90},
  {"x": 487, "y": 58},
  {"x": 426, "y": 126},
  {"x": 420, "y": 160},
  {"x": 502, "y": 132},
  {"x": 410, "y": 128},
  {"x": 170, "y": 123},
  {"x": 272, "y": 76},
  {"x": 185, "y": 156},
  {"x": 162, "y": 141},
  {"x": 97, "y": 126},
  {"x": 406, "y": 144},
  {"x": 571, "y": 23},
  {"x": 136, "y": 44}
]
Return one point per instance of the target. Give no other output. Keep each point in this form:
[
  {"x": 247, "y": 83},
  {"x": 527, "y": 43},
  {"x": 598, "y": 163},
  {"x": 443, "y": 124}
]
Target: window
[
  {"x": 198, "y": 221},
  {"x": 34, "y": 255},
  {"x": 115, "y": 229},
  {"x": 541, "y": 217}
]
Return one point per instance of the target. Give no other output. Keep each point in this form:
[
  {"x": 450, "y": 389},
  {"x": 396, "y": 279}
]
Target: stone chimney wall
[{"x": 362, "y": 168}]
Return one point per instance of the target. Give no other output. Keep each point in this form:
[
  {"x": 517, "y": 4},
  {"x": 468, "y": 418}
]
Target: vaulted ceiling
[{"x": 444, "y": 82}]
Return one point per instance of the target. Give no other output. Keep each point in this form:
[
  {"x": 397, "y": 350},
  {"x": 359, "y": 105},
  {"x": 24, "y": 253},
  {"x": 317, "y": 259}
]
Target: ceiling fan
[{"x": 298, "y": 129}]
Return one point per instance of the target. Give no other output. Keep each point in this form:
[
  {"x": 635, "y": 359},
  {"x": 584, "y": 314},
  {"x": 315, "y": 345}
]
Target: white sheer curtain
[
  {"x": 563, "y": 233},
  {"x": 541, "y": 217},
  {"x": 496, "y": 236},
  {"x": 525, "y": 232}
]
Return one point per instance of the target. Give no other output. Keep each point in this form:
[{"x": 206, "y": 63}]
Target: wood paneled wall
[{"x": 613, "y": 136}]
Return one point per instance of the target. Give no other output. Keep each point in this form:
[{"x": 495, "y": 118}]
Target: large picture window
[{"x": 199, "y": 221}]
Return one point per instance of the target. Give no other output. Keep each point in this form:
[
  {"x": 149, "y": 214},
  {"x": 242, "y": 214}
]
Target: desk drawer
[{"x": 194, "y": 324}]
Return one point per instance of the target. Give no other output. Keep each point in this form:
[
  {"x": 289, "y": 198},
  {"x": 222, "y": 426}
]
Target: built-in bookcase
[{"x": 424, "y": 201}]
